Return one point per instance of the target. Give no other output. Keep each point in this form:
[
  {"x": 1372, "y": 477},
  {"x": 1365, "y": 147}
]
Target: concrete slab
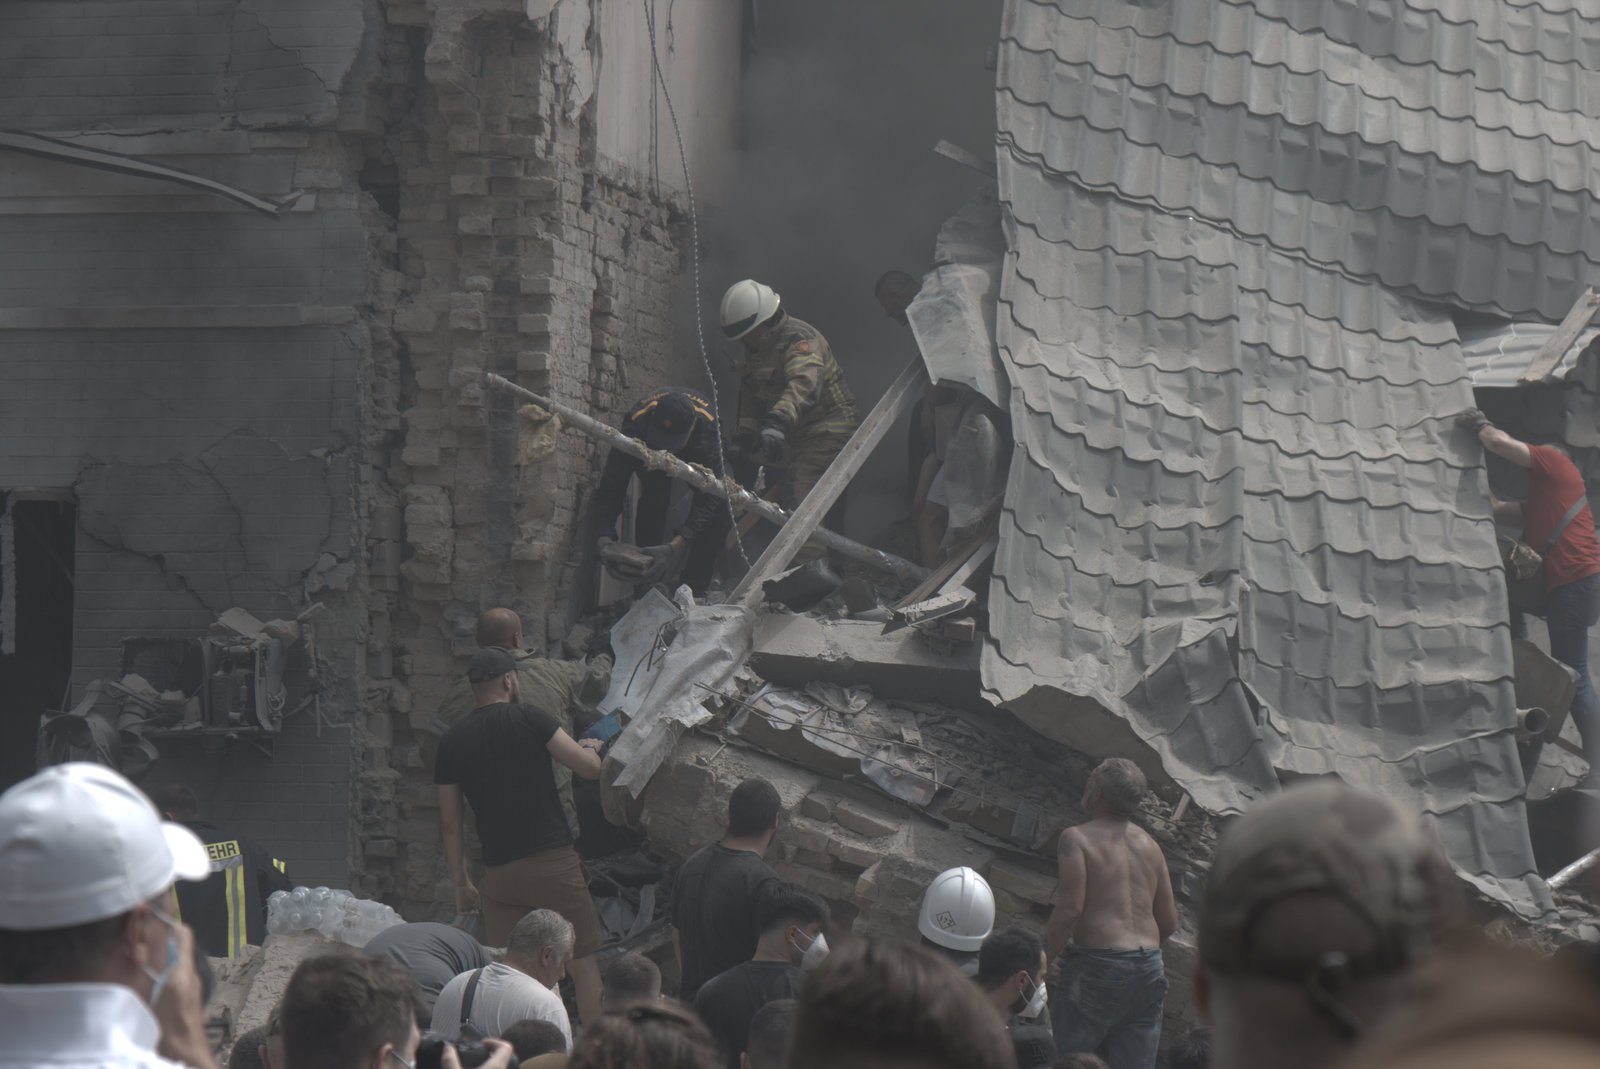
[{"x": 795, "y": 650}]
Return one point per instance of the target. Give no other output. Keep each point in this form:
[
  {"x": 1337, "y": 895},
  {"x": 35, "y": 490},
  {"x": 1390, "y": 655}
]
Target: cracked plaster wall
[
  {"x": 195, "y": 373},
  {"x": 258, "y": 411}
]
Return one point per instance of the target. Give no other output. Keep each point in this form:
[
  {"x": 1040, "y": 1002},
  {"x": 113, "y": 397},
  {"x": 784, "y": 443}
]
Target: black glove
[
  {"x": 1473, "y": 420},
  {"x": 623, "y": 561},
  {"x": 666, "y": 561},
  {"x": 769, "y": 448}
]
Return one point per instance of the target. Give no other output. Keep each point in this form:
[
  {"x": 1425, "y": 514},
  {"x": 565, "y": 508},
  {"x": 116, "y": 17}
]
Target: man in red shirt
[{"x": 1571, "y": 565}]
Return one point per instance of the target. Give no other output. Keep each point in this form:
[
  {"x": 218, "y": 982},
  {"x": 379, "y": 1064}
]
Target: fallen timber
[{"x": 705, "y": 480}]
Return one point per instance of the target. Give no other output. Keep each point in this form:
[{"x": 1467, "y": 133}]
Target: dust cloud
[{"x": 836, "y": 181}]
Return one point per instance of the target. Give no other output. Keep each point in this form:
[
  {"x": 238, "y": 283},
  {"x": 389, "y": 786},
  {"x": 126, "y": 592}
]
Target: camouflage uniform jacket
[{"x": 794, "y": 379}]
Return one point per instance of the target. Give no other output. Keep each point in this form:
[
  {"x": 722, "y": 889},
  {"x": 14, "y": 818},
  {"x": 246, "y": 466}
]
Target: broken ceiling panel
[{"x": 1239, "y": 515}]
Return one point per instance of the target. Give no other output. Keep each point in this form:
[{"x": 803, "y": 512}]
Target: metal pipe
[
  {"x": 705, "y": 480},
  {"x": 1574, "y": 870}
]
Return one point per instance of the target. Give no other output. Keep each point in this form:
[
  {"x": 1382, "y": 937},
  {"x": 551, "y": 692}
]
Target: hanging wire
[{"x": 694, "y": 257}]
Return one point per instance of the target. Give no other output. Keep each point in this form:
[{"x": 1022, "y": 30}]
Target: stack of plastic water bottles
[{"x": 336, "y": 914}]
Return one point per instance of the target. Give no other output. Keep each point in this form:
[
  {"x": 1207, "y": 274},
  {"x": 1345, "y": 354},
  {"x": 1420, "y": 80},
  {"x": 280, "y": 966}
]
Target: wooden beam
[
  {"x": 1566, "y": 335},
  {"x": 965, "y": 157},
  {"x": 895, "y": 402},
  {"x": 955, "y": 562}
]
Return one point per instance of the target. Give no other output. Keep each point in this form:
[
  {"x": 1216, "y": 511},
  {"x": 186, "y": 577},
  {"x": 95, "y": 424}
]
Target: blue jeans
[
  {"x": 1570, "y": 610},
  {"x": 1110, "y": 1001}
]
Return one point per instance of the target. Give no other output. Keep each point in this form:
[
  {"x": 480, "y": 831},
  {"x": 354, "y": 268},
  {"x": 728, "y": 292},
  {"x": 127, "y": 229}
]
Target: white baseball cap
[{"x": 79, "y": 843}]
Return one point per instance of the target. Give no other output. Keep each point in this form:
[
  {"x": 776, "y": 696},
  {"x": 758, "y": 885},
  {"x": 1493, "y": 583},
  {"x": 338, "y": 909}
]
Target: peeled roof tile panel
[{"x": 1239, "y": 515}]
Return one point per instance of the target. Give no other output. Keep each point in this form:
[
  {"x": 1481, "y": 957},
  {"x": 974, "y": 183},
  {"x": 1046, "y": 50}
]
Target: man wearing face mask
[
  {"x": 1011, "y": 968},
  {"x": 499, "y": 758},
  {"x": 791, "y": 943},
  {"x": 94, "y": 970}
]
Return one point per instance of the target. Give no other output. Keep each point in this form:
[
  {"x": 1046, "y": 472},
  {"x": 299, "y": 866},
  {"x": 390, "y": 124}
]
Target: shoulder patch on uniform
[{"x": 802, "y": 346}]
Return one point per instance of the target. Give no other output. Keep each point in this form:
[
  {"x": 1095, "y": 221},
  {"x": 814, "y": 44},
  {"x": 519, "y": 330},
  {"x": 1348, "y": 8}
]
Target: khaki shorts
[{"x": 551, "y": 879}]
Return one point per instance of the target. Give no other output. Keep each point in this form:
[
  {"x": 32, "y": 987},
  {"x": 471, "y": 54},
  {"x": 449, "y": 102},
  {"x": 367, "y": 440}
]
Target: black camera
[{"x": 430, "y": 1053}]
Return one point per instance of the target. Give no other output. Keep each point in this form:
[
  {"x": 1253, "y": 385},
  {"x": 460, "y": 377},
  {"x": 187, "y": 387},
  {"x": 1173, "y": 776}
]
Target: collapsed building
[{"x": 1239, "y": 267}]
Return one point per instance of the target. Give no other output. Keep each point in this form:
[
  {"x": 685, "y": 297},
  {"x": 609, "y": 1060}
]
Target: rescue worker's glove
[
  {"x": 769, "y": 447},
  {"x": 666, "y": 562},
  {"x": 744, "y": 444},
  {"x": 1473, "y": 420},
  {"x": 623, "y": 561}
]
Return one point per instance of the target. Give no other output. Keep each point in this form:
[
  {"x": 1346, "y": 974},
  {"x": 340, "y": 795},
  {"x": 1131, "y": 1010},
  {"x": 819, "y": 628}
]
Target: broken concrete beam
[
  {"x": 1032, "y": 886},
  {"x": 797, "y": 650},
  {"x": 874, "y": 824}
]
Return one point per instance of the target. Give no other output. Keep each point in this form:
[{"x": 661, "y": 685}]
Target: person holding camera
[{"x": 344, "y": 1011}]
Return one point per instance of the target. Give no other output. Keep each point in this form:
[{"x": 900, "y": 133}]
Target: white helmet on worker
[
  {"x": 746, "y": 306},
  {"x": 957, "y": 910}
]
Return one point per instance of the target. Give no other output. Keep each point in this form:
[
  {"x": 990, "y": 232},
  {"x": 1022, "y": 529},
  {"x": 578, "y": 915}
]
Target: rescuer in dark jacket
[
  {"x": 678, "y": 421},
  {"x": 228, "y": 909}
]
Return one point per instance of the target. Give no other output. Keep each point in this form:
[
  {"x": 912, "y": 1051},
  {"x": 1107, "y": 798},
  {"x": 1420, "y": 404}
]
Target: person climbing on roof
[
  {"x": 682, "y": 422},
  {"x": 1558, "y": 523},
  {"x": 796, "y": 410}
]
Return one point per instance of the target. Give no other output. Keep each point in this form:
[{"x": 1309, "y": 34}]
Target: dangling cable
[{"x": 694, "y": 256}]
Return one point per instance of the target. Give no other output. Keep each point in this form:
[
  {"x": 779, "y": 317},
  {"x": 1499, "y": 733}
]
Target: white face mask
[
  {"x": 1035, "y": 1004},
  {"x": 158, "y": 980},
  {"x": 813, "y": 954}
]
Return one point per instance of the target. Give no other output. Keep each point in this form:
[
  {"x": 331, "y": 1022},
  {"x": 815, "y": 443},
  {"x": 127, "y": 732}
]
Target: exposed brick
[
  {"x": 1024, "y": 883},
  {"x": 863, "y": 820}
]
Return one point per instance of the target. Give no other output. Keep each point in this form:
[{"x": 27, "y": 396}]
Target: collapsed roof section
[{"x": 1238, "y": 515}]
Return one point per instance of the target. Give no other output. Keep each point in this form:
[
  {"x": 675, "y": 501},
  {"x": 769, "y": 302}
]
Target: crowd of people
[{"x": 1331, "y": 933}]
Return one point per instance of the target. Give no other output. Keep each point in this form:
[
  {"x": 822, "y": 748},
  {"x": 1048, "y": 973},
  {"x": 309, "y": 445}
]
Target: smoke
[{"x": 836, "y": 182}]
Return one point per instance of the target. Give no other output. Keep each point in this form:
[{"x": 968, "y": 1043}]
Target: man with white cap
[{"x": 94, "y": 970}]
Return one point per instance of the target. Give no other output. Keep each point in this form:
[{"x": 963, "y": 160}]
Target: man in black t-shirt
[
  {"x": 714, "y": 895},
  {"x": 791, "y": 943},
  {"x": 228, "y": 909},
  {"x": 499, "y": 758}
]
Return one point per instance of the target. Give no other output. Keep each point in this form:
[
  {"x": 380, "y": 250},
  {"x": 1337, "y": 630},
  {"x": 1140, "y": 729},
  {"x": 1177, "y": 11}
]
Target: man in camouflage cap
[
  {"x": 1319, "y": 900},
  {"x": 795, "y": 409}
]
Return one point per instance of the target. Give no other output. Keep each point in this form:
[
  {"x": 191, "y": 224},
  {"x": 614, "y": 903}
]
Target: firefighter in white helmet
[
  {"x": 957, "y": 916},
  {"x": 795, "y": 409}
]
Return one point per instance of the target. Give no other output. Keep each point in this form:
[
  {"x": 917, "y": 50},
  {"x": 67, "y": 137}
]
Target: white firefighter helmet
[
  {"x": 746, "y": 306},
  {"x": 957, "y": 910}
]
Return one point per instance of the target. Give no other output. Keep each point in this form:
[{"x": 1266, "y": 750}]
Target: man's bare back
[{"x": 1113, "y": 890}]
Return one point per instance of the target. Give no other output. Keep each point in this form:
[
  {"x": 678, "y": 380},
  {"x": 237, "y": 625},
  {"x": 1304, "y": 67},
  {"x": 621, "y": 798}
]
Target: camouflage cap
[{"x": 1326, "y": 837}]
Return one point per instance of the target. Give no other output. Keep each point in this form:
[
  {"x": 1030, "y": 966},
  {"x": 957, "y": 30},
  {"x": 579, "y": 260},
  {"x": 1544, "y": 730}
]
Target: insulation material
[
  {"x": 1239, "y": 516},
  {"x": 538, "y": 432},
  {"x": 952, "y": 317}
]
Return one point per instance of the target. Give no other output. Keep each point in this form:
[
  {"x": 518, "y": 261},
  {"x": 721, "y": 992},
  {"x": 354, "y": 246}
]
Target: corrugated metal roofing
[
  {"x": 1497, "y": 356},
  {"x": 1239, "y": 514},
  {"x": 1445, "y": 157}
]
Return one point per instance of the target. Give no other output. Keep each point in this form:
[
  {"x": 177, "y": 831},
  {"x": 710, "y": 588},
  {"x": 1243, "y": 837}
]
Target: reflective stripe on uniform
[{"x": 228, "y": 858}]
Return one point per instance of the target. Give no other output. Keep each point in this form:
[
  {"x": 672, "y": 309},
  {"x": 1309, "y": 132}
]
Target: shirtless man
[{"x": 1114, "y": 903}]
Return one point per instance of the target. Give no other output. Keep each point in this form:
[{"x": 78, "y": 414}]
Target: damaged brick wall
[
  {"x": 523, "y": 252},
  {"x": 259, "y": 412}
]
